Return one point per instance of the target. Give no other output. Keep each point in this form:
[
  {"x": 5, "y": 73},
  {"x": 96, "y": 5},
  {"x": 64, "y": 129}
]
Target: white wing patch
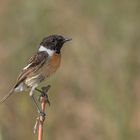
[
  {"x": 49, "y": 51},
  {"x": 27, "y": 66}
]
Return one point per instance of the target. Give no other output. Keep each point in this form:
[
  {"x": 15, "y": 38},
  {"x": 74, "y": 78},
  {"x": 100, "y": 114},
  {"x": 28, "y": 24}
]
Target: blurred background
[{"x": 95, "y": 94}]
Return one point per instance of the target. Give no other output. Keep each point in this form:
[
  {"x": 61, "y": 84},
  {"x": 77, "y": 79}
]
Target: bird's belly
[
  {"x": 34, "y": 80},
  {"x": 51, "y": 65}
]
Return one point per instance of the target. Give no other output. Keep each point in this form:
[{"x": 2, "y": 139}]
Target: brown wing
[{"x": 35, "y": 63}]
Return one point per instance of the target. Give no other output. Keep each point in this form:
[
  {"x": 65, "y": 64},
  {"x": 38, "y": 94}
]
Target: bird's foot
[{"x": 43, "y": 93}]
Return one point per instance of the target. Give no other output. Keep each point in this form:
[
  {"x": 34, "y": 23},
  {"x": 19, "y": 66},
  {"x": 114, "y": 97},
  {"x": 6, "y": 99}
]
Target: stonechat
[{"x": 40, "y": 66}]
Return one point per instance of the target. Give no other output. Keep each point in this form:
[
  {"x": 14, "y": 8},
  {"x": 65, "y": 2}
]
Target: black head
[{"x": 54, "y": 42}]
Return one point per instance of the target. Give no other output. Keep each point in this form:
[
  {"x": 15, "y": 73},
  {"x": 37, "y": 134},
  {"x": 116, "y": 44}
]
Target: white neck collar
[{"x": 49, "y": 51}]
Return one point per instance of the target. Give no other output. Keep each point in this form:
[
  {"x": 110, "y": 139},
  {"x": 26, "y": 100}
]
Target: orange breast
[{"x": 51, "y": 65}]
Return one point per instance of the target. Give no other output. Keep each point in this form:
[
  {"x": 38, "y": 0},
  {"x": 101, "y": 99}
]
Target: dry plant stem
[{"x": 41, "y": 119}]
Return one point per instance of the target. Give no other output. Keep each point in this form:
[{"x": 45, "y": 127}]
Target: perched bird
[{"x": 40, "y": 66}]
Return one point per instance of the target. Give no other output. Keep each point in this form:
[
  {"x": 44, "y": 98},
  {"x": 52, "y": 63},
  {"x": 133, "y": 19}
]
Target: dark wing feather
[{"x": 35, "y": 63}]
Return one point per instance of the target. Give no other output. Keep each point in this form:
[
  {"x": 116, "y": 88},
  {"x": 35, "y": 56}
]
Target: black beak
[{"x": 67, "y": 39}]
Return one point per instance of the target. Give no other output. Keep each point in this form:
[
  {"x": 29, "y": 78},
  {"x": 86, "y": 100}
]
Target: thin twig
[{"x": 40, "y": 120}]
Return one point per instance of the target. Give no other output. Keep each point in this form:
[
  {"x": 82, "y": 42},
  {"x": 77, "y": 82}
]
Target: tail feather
[{"x": 7, "y": 96}]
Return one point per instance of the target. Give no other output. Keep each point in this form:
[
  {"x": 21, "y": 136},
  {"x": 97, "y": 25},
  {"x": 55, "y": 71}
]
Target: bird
[{"x": 40, "y": 66}]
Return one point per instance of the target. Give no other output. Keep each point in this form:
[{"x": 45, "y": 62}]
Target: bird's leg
[
  {"x": 33, "y": 89},
  {"x": 43, "y": 93},
  {"x": 35, "y": 102},
  {"x": 33, "y": 97}
]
